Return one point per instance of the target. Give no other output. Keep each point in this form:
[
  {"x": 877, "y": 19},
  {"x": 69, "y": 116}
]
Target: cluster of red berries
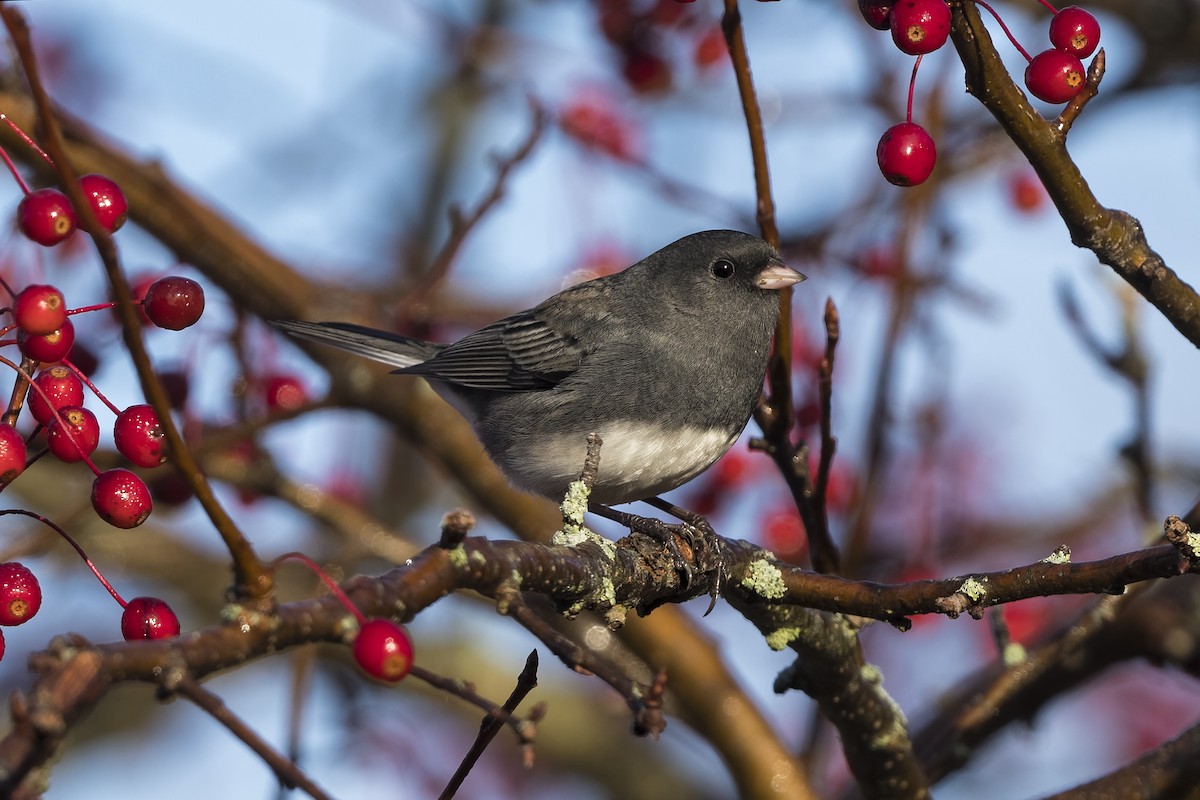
[
  {"x": 382, "y": 648},
  {"x": 906, "y": 152},
  {"x": 62, "y": 426},
  {"x": 44, "y": 333}
]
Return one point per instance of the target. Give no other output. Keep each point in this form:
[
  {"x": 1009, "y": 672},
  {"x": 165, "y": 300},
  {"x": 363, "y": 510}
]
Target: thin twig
[
  {"x": 461, "y": 224},
  {"x": 780, "y": 402},
  {"x": 492, "y": 723},
  {"x": 285, "y": 770},
  {"x": 825, "y": 557}
]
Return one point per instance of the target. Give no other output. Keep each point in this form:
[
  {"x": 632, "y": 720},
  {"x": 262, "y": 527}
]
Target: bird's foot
[{"x": 692, "y": 544}]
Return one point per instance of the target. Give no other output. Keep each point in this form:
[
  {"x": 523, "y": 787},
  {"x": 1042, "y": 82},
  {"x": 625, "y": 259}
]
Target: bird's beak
[{"x": 777, "y": 275}]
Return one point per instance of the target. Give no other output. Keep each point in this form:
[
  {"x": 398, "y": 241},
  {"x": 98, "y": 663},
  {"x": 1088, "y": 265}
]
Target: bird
[{"x": 665, "y": 360}]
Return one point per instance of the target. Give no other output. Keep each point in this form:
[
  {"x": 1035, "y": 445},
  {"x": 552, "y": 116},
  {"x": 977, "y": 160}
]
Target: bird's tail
[{"x": 388, "y": 348}]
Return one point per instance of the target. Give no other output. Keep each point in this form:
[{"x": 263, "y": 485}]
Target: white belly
[{"x": 636, "y": 461}]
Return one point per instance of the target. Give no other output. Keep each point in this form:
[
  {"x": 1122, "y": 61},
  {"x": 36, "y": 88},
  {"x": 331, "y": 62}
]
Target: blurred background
[{"x": 969, "y": 410}]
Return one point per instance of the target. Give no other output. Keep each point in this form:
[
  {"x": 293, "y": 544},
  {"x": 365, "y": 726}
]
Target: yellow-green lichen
[
  {"x": 575, "y": 503},
  {"x": 1060, "y": 556},
  {"x": 458, "y": 556},
  {"x": 974, "y": 590},
  {"x": 1014, "y": 653},
  {"x": 764, "y": 579},
  {"x": 780, "y": 638}
]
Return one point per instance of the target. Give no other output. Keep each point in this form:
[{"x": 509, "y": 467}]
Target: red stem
[
  {"x": 1004, "y": 27},
  {"x": 88, "y": 383},
  {"x": 78, "y": 549},
  {"x": 25, "y": 137},
  {"x": 13, "y": 169},
  {"x": 912, "y": 86},
  {"x": 329, "y": 582}
]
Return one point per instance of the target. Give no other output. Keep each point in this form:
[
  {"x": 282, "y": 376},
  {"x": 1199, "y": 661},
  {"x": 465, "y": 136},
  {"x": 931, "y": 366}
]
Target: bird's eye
[{"x": 722, "y": 268}]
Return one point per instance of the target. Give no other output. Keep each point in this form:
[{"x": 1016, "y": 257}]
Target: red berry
[
  {"x": 51, "y": 347},
  {"x": 174, "y": 303},
  {"x": 920, "y": 26},
  {"x": 710, "y": 48},
  {"x": 646, "y": 73},
  {"x": 168, "y": 488},
  {"x": 12, "y": 453},
  {"x": 1, "y": 644},
  {"x": 61, "y": 387},
  {"x": 284, "y": 393},
  {"x": 783, "y": 534},
  {"x": 138, "y": 434},
  {"x": 177, "y": 385},
  {"x": 45, "y": 216},
  {"x": 594, "y": 123},
  {"x": 75, "y": 436},
  {"x": 84, "y": 359},
  {"x": 1027, "y": 193},
  {"x": 39, "y": 310},
  {"x": 877, "y": 13},
  {"x": 906, "y": 154},
  {"x": 1075, "y": 31},
  {"x": 148, "y": 618},
  {"x": 121, "y": 498},
  {"x": 106, "y": 199},
  {"x": 384, "y": 650},
  {"x": 1055, "y": 76},
  {"x": 20, "y": 594}
]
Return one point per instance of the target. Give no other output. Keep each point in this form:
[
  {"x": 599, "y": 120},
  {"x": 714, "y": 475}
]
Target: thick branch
[{"x": 1114, "y": 236}]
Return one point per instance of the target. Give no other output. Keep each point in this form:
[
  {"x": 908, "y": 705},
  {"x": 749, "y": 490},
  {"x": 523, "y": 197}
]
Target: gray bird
[{"x": 665, "y": 360}]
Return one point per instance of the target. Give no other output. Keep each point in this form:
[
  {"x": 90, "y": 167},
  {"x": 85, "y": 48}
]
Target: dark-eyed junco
[{"x": 664, "y": 360}]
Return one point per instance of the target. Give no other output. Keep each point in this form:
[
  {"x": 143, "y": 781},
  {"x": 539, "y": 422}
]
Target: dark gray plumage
[{"x": 664, "y": 360}]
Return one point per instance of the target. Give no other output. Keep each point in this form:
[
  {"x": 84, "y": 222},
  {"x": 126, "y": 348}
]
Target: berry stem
[
  {"x": 88, "y": 383},
  {"x": 26, "y": 138},
  {"x": 912, "y": 87},
  {"x": 1004, "y": 27},
  {"x": 13, "y": 169},
  {"x": 329, "y": 582},
  {"x": 78, "y": 549},
  {"x": 96, "y": 307},
  {"x": 1053, "y": 10}
]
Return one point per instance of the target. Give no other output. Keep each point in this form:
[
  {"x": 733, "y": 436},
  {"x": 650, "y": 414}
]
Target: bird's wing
[
  {"x": 518, "y": 353},
  {"x": 388, "y": 348},
  {"x": 536, "y": 349}
]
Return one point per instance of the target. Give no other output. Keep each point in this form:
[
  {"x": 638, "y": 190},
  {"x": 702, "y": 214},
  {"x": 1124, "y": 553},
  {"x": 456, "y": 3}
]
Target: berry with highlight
[
  {"x": 106, "y": 199},
  {"x": 46, "y": 216},
  {"x": 139, "y": 436},
  {"x": 174, "y": 302},
  {"x": 384, "y": 650},
  {"x": 61, "y": 387},
  {"x": 73, "y": 434},
  {"x": 121, "y": 498},
  {"x": 148, "y": 618},
  {"x": 48, "y": 348},
  {"x": 39, "y": 309},
  {"x": 1055, "y": 76},
  {"x": 906, "y": 154},
  {"x": 20, "y": 593},
  {"x": 1075, "y": 31}
]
